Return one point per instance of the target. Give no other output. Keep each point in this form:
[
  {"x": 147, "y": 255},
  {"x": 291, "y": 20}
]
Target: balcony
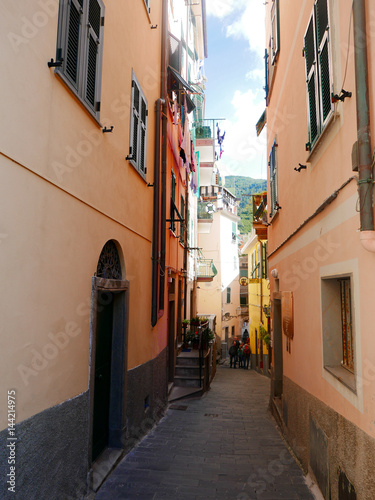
[
  {"x": 206, "y": 270},
  {"x": 260, "y": 215}
]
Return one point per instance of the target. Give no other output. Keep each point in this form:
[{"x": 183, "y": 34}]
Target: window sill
[
  {"x": 65, "y": 81},
  {"x": 318, "y": 143},
  {"x": 343, "y": 375}
]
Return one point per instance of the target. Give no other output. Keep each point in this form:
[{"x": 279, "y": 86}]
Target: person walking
[
  {"x": 240, "y": 355},
  {"x": 246, "y": 354},
  {"x": 233, "y": 353}
]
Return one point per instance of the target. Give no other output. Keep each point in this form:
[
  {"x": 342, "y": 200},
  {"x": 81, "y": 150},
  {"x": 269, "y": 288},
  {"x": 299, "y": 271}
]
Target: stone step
[
  {"x": 185, "y": 381},
  {"x": 186, "y": 370},
  {"x": 183, "y": 360}
]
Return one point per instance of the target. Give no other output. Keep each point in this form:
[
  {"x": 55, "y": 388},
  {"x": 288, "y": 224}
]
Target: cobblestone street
[{"x": 223, "y": 446}]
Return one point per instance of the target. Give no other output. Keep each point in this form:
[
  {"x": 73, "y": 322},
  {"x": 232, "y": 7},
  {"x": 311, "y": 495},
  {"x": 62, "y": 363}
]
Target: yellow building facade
[{"x": 258, "y": 302}]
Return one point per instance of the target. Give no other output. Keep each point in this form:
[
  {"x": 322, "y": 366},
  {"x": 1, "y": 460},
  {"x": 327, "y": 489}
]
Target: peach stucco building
[
  {"x": 321, "y": 236},
  {"x": 87, "y": 256}
]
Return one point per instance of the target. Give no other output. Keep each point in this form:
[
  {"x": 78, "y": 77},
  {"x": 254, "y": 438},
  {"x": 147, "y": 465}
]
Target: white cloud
[
  {"x": 256, "y": 74},
  {"x": 242, "y": 19},
  {"x": 224, "y": 8},
  {"x": 244, "y": 152}
]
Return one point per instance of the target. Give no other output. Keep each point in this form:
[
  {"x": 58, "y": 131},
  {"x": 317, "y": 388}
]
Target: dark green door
[{"x": 102, "y": 385}]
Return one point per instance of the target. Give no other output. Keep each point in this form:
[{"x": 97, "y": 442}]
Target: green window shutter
[
  {"x": 322, "y": 29},
  {"x": 135, "y": 120},
  {"x": 143, "y": 132},
  {"x": 275, "y": 31},
  {"x": 259, "y": 271},
  {"x": 95, "y": 20},
  {"x": 73, "y": 41},
  {"x": 228, "y": 295},
  {"x": 182, "y": 224},
  {"x": 243, "y": 273},
  {"x": 264, "y": 261},
  {"x": 273, "y": 178},
  {"x": 311, "y": 82},
  {"x": 173, "y": 198}
]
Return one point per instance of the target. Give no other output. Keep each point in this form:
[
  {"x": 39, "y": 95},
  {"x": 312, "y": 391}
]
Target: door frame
[{"x": 117, "y": 410}]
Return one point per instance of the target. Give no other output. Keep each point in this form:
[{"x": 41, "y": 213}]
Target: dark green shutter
[
  {"x": 311, "y": 81},
  {"x": 273, "y": 175},
  {"x": 322, "y": 32},
  {"x": 135, "y": 92},
  {"x": 74, "y": 39},
  {"x": 143, "y": 126},
  {"x": 93, "y": 41}
]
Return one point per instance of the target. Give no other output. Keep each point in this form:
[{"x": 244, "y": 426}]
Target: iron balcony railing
[{"x": 206, "y": 269}]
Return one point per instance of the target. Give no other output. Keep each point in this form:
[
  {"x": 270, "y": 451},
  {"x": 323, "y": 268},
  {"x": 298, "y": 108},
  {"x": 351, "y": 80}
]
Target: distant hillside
[{"x": 242, "y": 186}]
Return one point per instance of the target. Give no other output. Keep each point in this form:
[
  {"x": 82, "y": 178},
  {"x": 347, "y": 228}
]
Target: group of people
[{"x": 240, "y": 352}]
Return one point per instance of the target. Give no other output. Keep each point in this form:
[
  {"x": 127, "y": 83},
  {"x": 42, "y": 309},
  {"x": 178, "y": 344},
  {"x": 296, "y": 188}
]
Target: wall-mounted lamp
[{"x": 275, "y": 273}]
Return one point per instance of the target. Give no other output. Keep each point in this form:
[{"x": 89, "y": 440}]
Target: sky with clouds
[{"x": 235, "y": 80}]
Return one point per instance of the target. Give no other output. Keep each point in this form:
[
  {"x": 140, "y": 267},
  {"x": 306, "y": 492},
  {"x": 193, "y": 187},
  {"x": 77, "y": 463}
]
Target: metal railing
[{"x": 206, "y": 268}]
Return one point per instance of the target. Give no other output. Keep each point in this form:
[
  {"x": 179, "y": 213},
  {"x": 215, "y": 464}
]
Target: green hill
[{"x": 242, "y": 187}]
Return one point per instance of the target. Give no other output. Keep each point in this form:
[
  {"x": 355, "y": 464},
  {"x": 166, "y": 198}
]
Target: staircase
[{"x": 187, "y": 382}]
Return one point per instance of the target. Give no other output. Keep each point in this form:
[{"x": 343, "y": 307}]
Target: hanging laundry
[
  {"x": 184, "y": 146},
  {"x": 220, "y": 139},
  {"x": 193, "y": 158}
]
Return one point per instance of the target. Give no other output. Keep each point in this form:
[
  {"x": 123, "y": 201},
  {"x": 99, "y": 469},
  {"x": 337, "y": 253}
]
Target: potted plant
[{"x": 264, "y": 335}]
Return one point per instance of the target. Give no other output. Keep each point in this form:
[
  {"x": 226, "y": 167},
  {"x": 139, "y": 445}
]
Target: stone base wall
[
  {"x": 147, "y": 397},
  {"x": 339, "y": 454},
  {"x": 51, "y": 453}
]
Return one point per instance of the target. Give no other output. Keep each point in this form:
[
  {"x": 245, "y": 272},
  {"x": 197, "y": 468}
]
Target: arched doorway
[{"x": 108, "y": 359}]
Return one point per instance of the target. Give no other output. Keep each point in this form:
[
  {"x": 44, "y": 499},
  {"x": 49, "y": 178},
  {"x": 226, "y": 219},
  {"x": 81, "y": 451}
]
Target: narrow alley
[{"x": 222, "y": 446}]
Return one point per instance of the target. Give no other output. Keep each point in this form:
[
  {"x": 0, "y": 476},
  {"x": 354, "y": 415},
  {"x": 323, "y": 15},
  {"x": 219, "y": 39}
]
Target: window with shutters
[
  {"x": 138, "y": 128},
  {"x": 80, "y": 49},
  {"x": 228, "y": 295},
  {"x": 272, "y": 164},
  {"x": 173, "y": 201},
  {"x": 317, "y": 52}
]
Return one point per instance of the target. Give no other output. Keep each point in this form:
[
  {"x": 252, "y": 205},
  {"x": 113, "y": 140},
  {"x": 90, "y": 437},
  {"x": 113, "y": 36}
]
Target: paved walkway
[{"x": 222, "y": 446}]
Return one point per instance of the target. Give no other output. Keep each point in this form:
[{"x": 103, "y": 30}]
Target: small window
[
  {"x": 228, "y": 295},
  {"x": 272, "y": 164},
  {"x": 80, "y": 48},
  {"x": 338, "y": 334},
  {"x": 174, "y": 53},
  {"x": 138, "y": 128},
  {"x": 317, "y": 51}
]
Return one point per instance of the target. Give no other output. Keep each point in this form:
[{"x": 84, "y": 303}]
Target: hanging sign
[{"x": 287, "y": 314}]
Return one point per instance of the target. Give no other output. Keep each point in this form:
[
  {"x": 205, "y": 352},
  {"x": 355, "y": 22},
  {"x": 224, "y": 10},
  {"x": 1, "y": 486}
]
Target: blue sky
[{"x": 235, "y": 79}]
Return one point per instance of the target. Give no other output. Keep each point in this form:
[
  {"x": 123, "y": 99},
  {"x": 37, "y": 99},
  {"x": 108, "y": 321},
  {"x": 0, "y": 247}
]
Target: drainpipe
[
  {"x": 163, "y": 212},
  {"x": 365, "y": 183},
  {"x": 155, "y": 221}
]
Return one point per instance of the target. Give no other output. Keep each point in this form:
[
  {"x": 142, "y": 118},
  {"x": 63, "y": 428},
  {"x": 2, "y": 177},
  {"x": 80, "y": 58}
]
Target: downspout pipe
[
  {"x": 365, "y": 182},
  {"x": 156, "y": 218},
  {"x": 163, "y": 209}
]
